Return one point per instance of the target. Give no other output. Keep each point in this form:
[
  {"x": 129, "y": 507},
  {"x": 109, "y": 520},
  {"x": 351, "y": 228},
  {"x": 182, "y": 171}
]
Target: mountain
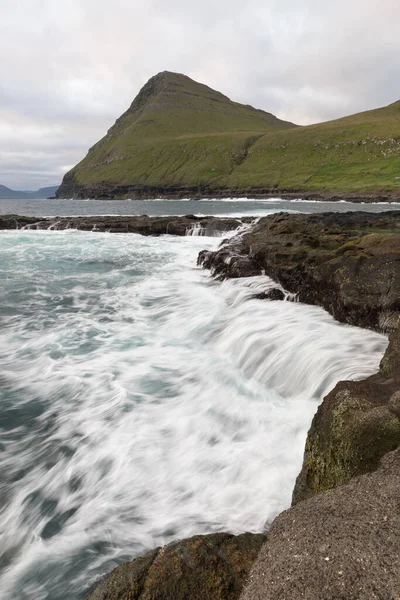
[
  {"x": 177, "y": 132},
  {"x": 181, "y": 138},
  {"x": 359, "y": 154},
  {"x": 45, "y": 192},
  {"x": 8, "y": 194}
]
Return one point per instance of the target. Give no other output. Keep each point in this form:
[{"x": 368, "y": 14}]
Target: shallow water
[{"x": 142, "y": 402}]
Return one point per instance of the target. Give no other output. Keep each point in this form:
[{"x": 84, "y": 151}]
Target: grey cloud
[{"x": 68, "y": 70}]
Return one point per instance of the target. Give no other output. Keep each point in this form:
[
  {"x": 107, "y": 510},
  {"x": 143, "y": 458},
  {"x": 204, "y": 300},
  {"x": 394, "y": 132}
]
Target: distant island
[
  {"x": 180, "y": 138},
  {"x": 9, "y": 194}
]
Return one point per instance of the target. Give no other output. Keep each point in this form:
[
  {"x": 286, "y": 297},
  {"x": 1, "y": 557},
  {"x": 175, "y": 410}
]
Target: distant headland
[{"x": 180, "y": 138}]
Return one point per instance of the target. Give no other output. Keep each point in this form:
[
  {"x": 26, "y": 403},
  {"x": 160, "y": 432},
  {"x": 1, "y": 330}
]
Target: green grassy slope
[
  {"x": 178, "y": 132},
  {"x": 359, "y": 153}
]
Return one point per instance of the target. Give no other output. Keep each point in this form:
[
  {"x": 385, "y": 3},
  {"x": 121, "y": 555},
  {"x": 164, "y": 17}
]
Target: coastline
[
  {"x": 357, "y": 424},
  {"x": 349, "y": 482},
  {"x": 69, "y": 190}
]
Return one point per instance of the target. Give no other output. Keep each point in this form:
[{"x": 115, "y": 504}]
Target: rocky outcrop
[
  {"x": 16, "y": 221},
  {"x": 340, "y": 545},
  {"x": 210, "y": 567},
  {"x": 349, "y": 263},
  {"x": 357, "y": 423},
  {"x": 144, "y": 225}
]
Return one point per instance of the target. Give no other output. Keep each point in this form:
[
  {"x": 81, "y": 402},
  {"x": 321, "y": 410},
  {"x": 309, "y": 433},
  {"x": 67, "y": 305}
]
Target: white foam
[{"x": 170, "y": 404}]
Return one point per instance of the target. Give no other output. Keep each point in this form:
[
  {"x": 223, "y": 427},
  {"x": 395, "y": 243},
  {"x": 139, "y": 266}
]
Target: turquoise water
[{"x": 142, "y": 402}]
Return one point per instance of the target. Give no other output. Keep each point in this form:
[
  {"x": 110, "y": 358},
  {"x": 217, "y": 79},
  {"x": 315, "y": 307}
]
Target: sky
[{"x": 69, "y": 69}]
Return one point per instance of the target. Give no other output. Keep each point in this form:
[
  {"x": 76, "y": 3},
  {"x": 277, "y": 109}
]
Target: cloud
[{"x": 68, "y": 70}]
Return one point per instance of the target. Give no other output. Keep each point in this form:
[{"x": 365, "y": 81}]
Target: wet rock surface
[
  {"x": 349, "y": 263},
  {"x": 209, "y": 567},
  {"x": 16, "y": 221},
  {"x": 144, "y": 225},
  {"x": 340, "y": 545},
  {"x": 357, "y": 423}
]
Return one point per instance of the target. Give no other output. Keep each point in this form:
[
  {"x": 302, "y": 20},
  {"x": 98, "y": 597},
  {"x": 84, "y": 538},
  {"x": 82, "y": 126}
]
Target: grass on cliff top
[
  {"x": 356, "y": 153},
  {"x": 178, "y": 132}
]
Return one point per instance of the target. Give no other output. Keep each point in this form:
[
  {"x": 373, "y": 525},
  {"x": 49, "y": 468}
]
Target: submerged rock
[
  {"x": 209, "y": 567},
  {"x": 349, "y": 263},
  {"x": 341, "y": 545}
]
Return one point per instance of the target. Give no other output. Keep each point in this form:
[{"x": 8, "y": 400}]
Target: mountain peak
[
  {"x": 168, "y": 90},
  {"x": 173, "y": 122},
  {"x": 171, "y": 84}
]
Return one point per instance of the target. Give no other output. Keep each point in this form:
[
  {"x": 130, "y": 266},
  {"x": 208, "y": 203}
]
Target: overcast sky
[{"x": 69, "y": 69}]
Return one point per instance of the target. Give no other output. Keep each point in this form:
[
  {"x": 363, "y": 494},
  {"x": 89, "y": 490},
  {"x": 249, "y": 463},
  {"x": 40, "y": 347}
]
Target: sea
[{"x": 141, "y": 401}]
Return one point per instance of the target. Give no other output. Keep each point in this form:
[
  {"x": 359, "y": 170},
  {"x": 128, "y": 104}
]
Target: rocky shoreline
[
  {"x": 349, "y": 263},
  {"x": 143, "y": 225},
  {"x": 343, "y": 543},
  {"x": 341, "y": 538},
  {"x": 70, "y": 189}
]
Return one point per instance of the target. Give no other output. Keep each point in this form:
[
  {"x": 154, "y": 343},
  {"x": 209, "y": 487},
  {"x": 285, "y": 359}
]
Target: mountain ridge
[
  {"x": 182, "y": 138},
  {"x": 7, "y": 193}
]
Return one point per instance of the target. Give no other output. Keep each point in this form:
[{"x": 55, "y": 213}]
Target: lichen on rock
[
  {"x": 209, "y": 567},
  {"x": 349, "y": 263}
]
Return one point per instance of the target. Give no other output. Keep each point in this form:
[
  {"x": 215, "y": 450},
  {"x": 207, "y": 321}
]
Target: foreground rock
[
  {"x": 340, "y": 545},
  {"x": 210, "y": 567},
  {"x": 144, "y": 225},
  {"x": 357, "y": 423},
  {"x": 349, "y": 263}
]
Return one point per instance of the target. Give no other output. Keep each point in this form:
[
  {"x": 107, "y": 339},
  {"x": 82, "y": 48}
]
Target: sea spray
[{"x": 141, "y": 401}]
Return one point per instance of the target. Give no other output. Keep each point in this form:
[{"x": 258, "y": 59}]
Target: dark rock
[
  {"x": 390, "y": 363},
  {"x": 273, "y": 294},
  {"x": 229, "y": 258},
  {"x": 143, "y": 224},
  {"x": 341, "y": 545},
  {"x": 357, "y": 423},
  {"x": 210, "y": 567},
  {"x": 349, "y": 263},
  {"x": 72, "y": 188},
  {"x": 16, "y": 221}
]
